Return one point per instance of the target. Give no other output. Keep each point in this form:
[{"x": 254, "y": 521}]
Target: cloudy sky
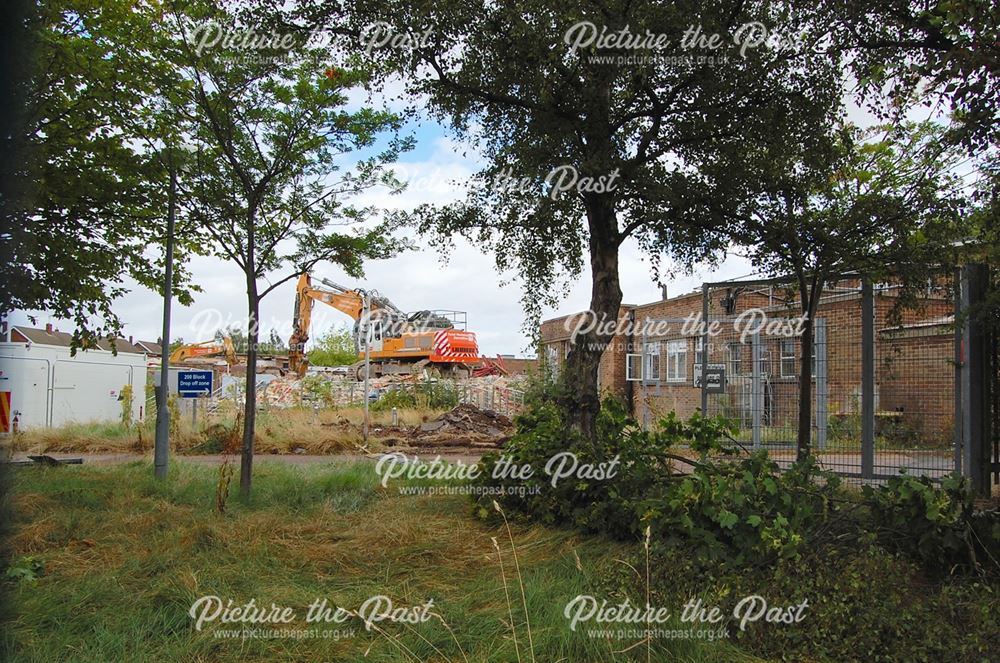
[{"x": 422, "y": 279}]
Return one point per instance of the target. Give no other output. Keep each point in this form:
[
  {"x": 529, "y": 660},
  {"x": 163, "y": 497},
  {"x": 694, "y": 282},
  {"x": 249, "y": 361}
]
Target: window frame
[
  {"x": 677, "y": 361},
  {"x": 734, "y": 365},
  {"x": 650, "y": 366},
  {"x": 794, "y": 358},
  {"x": 629, "y": 358}
]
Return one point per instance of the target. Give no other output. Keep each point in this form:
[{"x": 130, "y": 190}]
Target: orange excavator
[
  {"x": 401, "y": 343},
  {"x": 206, "y": 349}
]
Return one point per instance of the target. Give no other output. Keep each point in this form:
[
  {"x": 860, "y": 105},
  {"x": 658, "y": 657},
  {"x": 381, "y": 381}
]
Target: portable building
[{"x": 47, "y": 386}]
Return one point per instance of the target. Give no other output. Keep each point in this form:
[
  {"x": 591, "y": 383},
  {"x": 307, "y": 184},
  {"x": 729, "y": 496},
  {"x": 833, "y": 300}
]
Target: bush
[
  {"x": 747, "y": 509},
  {"x": 864, "y": 603},
  {"x": 638, "y": 462},
  {"x": 937, "y": 525},
  {"x": 425, "y": 395},
  {"x": 730, "y": 507}
]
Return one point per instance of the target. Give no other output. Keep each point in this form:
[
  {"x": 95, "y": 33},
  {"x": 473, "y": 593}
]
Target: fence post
[
  {"x": 975, "y": 379},
  {"x": 867, "y": 379},
  {"x": 704, "y": 348},
  {"x": 822, "y": 392},
  {"x": 756, "y": 393},
  {"x": 959, "y": 428}
]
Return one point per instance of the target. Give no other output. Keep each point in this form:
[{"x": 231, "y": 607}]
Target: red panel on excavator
[{"x": 452, "y": 345}]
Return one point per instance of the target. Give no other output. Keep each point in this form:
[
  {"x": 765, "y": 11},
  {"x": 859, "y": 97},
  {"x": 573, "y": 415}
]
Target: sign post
[{"x": 194, "y": 384}]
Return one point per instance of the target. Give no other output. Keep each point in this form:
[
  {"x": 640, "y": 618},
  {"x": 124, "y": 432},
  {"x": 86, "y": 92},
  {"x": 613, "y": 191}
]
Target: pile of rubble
[
  {"x": 464, "y": 425},
  {"x": 488, "y": 392}
]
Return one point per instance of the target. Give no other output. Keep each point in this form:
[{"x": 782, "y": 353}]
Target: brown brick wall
[{"x": 919, "y": 384}]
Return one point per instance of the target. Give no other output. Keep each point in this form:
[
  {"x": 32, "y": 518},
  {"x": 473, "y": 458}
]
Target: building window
[
  {"x": 789, "y": 362},
  {"x": 552, "y": 358},
  {"x": 652, "y": 369},
  {"x": 789, "y": 368},
  {"x": 734, "y": 358},
  {"x": 677, "y": 366},
  {"x": 633, "y": 367},
  {"x": 699, "y": 350}
]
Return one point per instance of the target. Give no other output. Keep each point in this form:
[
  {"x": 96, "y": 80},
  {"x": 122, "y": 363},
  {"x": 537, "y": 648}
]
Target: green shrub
[
  {"x": 638, "y": 462},
  {"x": 864, "y": 603},
  {"x": 747, "y": 509},
  {"x": 937, "y": 525},
  {"x": 317, "y": 388},
  {"x": 428, "y": 395}
]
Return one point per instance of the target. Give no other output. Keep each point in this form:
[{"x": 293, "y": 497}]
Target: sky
[{"x": 465, "y": 280}]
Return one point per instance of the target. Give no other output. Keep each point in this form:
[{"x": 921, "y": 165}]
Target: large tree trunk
[{"x": 580, "y": 396}]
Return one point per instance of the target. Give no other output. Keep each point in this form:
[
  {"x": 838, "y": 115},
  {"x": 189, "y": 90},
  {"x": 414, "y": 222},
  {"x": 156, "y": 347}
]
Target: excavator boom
[{"x": 206, "y": 349}]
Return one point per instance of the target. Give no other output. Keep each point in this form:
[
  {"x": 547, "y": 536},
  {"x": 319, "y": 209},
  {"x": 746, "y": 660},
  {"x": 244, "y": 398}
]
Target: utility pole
[{"x": 161, "y": 448}]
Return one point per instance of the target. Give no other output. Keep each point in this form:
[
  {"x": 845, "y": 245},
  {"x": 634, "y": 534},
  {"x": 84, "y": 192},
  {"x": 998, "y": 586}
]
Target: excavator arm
[
  {"x": 206, "y": 349},
  {"x": 347, "y": 301}
]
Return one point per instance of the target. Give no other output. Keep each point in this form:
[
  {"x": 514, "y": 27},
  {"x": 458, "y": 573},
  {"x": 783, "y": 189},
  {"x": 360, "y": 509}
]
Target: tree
[
  {"x": 272, "y": 180},
  {"x": 334, "y": 348},
  {"x": 82, "y": 200},
  {"x": 884, "y": 203},
  {"x": 275, "y": 344},
  {"x": 912, "y": 53},
  {"x": 590, "y": 143}
]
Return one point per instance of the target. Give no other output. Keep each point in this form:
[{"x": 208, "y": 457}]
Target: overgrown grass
[
  {"x": 327, "y": 430},
  {"x": 124, "y": 557}
]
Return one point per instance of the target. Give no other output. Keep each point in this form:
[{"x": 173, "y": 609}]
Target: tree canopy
[
  {"x": 83, "y": 199},
  {"x": 596, "y": 123}
]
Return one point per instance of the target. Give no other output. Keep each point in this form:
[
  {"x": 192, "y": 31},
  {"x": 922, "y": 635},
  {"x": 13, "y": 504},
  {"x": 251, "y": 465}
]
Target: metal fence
[{"x": 883, "y": 388}]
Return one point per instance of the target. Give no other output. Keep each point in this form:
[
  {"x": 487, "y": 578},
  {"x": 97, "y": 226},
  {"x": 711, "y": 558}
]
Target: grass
[
  {"x": 123, "y": 558},
  {"x": 328, "y": 430}
]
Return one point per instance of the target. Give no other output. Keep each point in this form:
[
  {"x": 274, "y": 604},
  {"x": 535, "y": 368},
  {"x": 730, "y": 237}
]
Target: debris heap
[{"x": 464, "y": 425}]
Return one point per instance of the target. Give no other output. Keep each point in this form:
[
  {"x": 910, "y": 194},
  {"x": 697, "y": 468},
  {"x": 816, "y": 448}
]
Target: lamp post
[{"x": 161, "y": 447}]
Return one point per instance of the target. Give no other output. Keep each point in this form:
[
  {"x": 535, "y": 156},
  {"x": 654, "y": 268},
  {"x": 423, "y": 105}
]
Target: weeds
[{"x": 331, "y": 430}]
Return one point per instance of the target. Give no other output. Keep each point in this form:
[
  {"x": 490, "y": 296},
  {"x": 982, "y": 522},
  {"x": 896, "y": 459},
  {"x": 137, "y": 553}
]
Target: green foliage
[
  {"x": 25, "y": 569},
  {"x": 611, "y": 505},
  {"x": 334, "y": 348},
  {"x": 729, "y": 507},
  {"x": 317, "y": 388},
  {"x": 935, "y": 524},
  {"x": 424, "y": 395},
  {"x": 908, "y": 54},
  {"x": 746, "y": 509},
  {"x": 126, "y": 406},
  {"x": 864, "y": 603},
  {"x": 84, "y": 199},
  {"x": 174, "y": 408}
]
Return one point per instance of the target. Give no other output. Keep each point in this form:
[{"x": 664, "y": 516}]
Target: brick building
[{"x": 655, "y": 361}]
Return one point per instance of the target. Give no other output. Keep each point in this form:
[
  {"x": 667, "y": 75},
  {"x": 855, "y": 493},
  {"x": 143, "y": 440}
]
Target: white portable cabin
[{"x": 50, "y": 387}]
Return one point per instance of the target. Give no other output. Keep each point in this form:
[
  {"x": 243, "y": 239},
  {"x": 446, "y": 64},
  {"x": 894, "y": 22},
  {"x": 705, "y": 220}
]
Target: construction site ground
[{"x": 464, "y": 430}]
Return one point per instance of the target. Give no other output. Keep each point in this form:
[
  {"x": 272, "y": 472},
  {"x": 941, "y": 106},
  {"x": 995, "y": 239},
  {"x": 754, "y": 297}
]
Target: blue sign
[{"x": 191, "y": 384}]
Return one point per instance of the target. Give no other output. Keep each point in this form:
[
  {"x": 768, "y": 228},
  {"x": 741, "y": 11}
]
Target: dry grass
[
  {"x": 278, "y": 432},
  {"x": 125, "y": 557}
]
